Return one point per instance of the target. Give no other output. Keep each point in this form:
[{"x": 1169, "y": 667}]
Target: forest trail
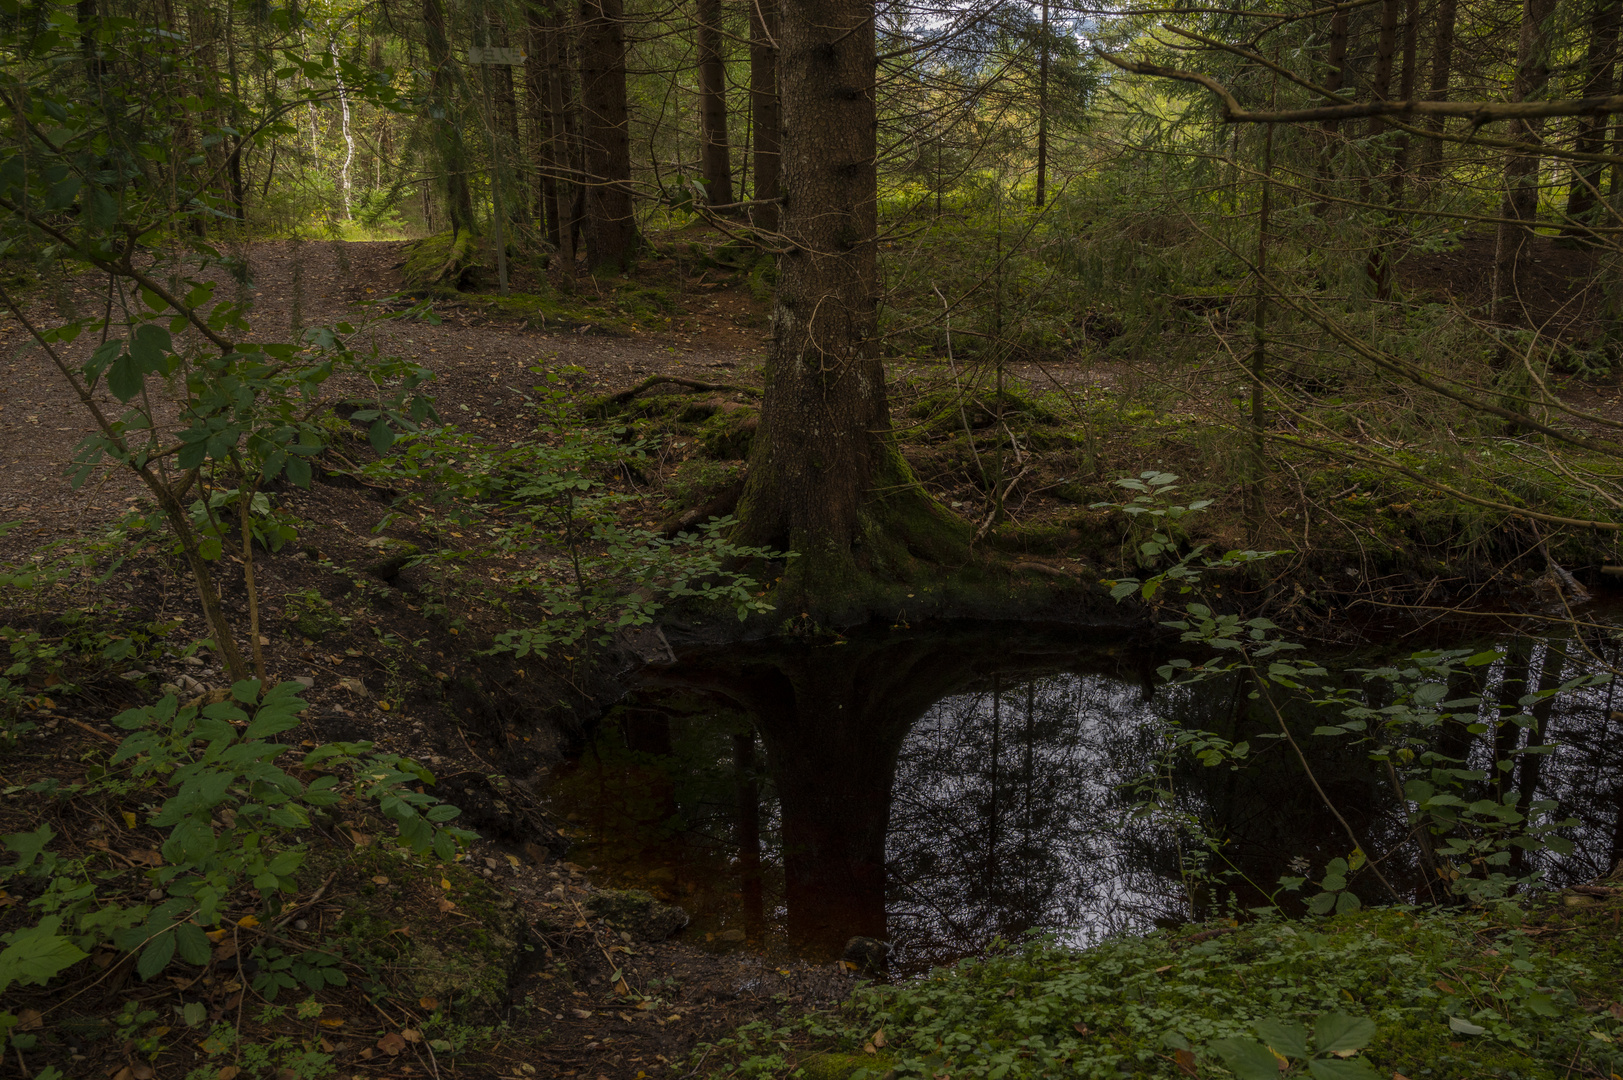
[{"x": 479, "y": 360}]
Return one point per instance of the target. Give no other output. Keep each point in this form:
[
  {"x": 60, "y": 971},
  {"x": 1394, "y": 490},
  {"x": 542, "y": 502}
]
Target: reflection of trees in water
[
  {"x": 1008, "y": 805},
  {"x": 1007, "y": 816}
]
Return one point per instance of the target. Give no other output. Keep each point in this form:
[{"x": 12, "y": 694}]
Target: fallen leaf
[
  {"x": 581, "y": 1014},
  {"x": 411, "y": 1035},
  {"x": 1186, "y": 1062},
  {"x": 1445, "y": 986},
  {"x": 337, "y": 1021},
  {"x": 29, "y": 1019},
  {"x": 141, "y": 1071},
  {"x": 124, "y": 1074},
  {"x": 227, "y": 1072},
  {"x": 216, "y": 935},
  {"x": 248, "y": 922},
  {"x": 129, "y": 819},
  {"x": 380, "y": 880},
  {"x": 878, "y": 1038},
  {"x": 326, "y": 1045},
  {"x": 1399, "y": 1076},
  {"x": 513, "y": 861},
  {"x": 368, "y": 1054},
  {"x": 391, "y": 1044},
  {"x": 1163, "y": 967},
  {"x": 1081, "y": 1029},
  {"x": 428, "y": 1003},
  {"x": 445, "y": 883},
  {"x": 868, "y": 1048},
  {"x": 1616, "y": 1009},
  {"x": 148, "y": 857},
  {"x": 446, "y": 905}
]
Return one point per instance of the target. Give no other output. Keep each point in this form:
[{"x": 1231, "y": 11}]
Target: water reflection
[{"x": 940, "y": 790}]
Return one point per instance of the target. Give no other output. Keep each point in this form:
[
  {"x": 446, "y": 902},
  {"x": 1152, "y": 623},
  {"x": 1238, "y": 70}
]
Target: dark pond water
[{"x": 941, "y": 789}]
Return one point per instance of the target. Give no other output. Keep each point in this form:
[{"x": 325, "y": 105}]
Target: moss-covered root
[
  {"x": 907, "y": 544},
  {"x": 442, "y": 259}
]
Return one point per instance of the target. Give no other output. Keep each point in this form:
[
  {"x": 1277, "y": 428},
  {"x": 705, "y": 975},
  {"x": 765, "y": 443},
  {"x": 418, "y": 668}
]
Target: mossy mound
[
  {"x": 461, "y": 947},
  {"x": 547, "y": 311},
  {"x": 637, "y": 913},
  {"x": 444, "y": 260}
]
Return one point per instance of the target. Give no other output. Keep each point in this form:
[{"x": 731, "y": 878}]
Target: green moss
[
  {"x": 465, "y": 958},
  {"x": 845, "y": 1066},
  {"x": 729, "y": 433},
  {"x": 444, "y": 259},
  {"x": 546, "y": 311}
]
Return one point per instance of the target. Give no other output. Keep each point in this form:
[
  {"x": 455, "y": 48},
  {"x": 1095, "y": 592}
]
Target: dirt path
[{"x": 478, "y": 361}]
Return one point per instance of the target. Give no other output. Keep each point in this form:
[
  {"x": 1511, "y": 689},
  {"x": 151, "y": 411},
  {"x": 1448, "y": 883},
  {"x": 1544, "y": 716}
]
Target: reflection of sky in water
[{"x": 1012, "y": 806}]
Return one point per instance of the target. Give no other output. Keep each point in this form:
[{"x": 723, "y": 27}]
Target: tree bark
[
  {"x": 1335, "y": 77},
  {"x": 448, "y": 143},
  {"x": 538, "y": 92},
  {"x": 1042, "y": 112},
  {"x": 611, "y": 231},
  {"x": 764, "y": 110},
  {"x": 715, "y": 154},
  {"x": 1521, "y": 170},
  {"x": 824, "y": 415},
  {"x": 1599, "y": 57},
  {"x": 1442, "y": 69},
  {"x": 825, "y": 478}
]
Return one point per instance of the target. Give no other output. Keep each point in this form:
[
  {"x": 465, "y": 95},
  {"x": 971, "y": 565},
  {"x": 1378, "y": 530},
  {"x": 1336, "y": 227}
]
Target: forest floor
[{"x": 381, "y": 667}]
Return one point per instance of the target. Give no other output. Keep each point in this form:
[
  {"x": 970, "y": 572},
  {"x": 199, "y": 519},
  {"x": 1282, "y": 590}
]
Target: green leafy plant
[
  {"x": 1337, "y": 1037},
  {"x": 231, "y": 816},
  {"x": 553, "y": 516}
]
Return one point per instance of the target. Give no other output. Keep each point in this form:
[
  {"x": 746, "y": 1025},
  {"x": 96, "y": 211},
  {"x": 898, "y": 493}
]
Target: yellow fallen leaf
[
  {"x": 129, "y": 820},
  {"x": 513, "y": 859},
  {"x": 216, "y": 935},
  {"x": 445, "y": 883},
  {"x": 248, "y": 922},
  {"x": 337, "y": 1021}
]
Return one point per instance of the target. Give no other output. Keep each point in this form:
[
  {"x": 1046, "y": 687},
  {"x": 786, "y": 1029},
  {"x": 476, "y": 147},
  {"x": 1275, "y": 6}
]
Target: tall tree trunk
[
  {"x": 715, "y": 154},
  {"x": 1599, "y": 58},
  {"x": 611, "y": 231},
  {"x": 1409, "y": 40},
  {"x": 1512, "y": 241},
  {"x": 764, "y": 110},
  {"x": 1335, "y": 78},
  {"x": 538, "y": 78},
  {"x": 505, "y": 97},
  {"x": 1442, "y": 69},
  {"x": 824, "y": 418},
  {"x": 1377, "y": 265},
  {"x": 1042, "y": 113},
  {"x": 448, "y": 143}
]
